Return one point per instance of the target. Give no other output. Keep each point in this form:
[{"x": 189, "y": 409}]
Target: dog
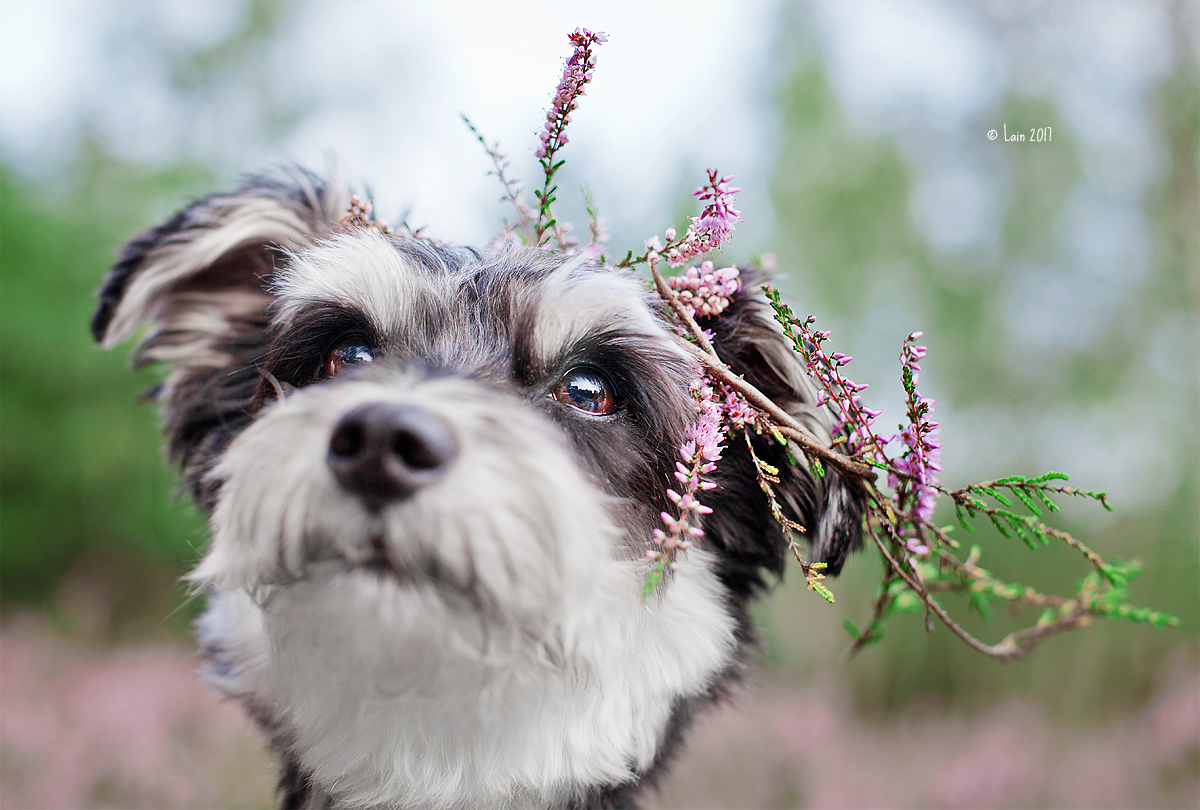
[{"x": 432, "y": 474}]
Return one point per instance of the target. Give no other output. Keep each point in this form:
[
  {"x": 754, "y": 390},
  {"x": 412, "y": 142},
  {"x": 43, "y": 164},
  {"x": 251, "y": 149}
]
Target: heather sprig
[
  {"x": 576, "y": 74},
  {"x": 706, "y": 233},
  {"x": 597, "y": 228},
  {"x": 921, "y": 559},
  {"x": 768, "y": 478},
  {"x": 715, "y": 224},
  {"x": 360, "y": 214},
  {"x": 837, "y": 389},
  {"x": 919, "y": 555},
  {"x": 703, "y": 444},
  {"x": 512, "y": 187},
  {"x": 915, "y": 471}
]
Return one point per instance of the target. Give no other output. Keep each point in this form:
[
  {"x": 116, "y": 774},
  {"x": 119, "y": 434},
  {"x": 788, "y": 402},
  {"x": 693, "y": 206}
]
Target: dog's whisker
[{"x": 281, "y": 393}]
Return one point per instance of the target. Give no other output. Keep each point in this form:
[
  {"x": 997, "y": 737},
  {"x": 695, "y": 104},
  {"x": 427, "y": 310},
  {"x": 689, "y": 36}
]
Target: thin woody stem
[
  {"x": 671, "y": 297},
  {"x": 1015, "y": 645},
  {"x": 969, "y": 571},
  {"x": 1029, "y": 598},
  {"x": 510, "y": 186},
  {"x": 785, "y": 422}
]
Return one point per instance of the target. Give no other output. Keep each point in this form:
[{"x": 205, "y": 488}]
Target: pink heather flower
[
  {"x": 599, "y": 230},
  {"x": 718, "y": 407},
  {"x": 737, "y": 411},
  {"x": 839, "y": 391},
  {"x": 916, "y": 547},
  {"x": 359, "y": 215},
  {"x": 504, "y": 241},
  {"x": 704, "y": 291},
  {"x": 701, "y": 449},
  {"x": 922, "y": 455},
  {"x": 715, "y": 224},
  {"x": 577, "y": 73},
  {"x": 565, "y": 242}
]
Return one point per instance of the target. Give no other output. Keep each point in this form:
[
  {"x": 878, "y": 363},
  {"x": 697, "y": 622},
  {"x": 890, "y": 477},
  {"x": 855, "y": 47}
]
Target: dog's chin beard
[
  {"x": 383, "y": 561},
  {"x": 389, "y": 572},
  {"x": 423, "y": 572}
]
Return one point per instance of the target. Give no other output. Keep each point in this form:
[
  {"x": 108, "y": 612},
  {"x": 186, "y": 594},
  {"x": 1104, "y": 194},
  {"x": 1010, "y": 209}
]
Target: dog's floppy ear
[
  {"x": 752, "y": 343},
  {"x": 202, "y": 282},
  {"x": 209, "y": 263}
]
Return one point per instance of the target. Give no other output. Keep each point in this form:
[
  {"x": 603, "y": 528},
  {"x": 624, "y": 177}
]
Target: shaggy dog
[{"x": 432, "y": 475}]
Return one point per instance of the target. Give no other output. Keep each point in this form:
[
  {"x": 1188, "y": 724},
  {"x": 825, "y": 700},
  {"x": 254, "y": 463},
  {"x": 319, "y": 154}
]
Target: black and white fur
[{"x": 472, "y": 633}]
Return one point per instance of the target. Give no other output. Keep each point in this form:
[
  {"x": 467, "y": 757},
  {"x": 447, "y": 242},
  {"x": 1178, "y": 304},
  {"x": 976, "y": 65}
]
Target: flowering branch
[
  {"x": 597, "y": 227},
  {"x": 768, "y": 475},
  {"x": 783, "y": 422},
  {"x": 920, "y": 558},
  {"x": 1015, "y": 645},
  {"x": 512, "y": 188},
  {"x": 701, "y": 450},
  {"x": 912, "y": 538},
  {"x": 707, "y": 232},
  {"x": 360, "y": 215},
  {"x": 576, "y": 74}
]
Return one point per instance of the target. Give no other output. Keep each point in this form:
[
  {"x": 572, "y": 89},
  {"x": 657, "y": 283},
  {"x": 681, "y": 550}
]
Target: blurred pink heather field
[
  {"x": 134, "y": 727},
  {"x": 126, "y": 727}
]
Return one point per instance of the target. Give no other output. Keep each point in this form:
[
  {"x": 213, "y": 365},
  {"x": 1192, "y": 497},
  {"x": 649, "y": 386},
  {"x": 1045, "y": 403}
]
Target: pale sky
[{"x": 680, "y": 87}]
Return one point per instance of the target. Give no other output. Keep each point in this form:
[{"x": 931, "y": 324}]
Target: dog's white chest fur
[{"x": 395, "y": 701}]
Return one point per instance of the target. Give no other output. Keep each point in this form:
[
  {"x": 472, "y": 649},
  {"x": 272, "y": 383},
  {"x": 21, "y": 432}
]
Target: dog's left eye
[
  {"x": 587, "y": 390},
  {"x": 348, "y": 353}
]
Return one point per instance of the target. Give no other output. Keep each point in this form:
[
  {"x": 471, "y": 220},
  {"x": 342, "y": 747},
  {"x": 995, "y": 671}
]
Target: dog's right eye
[
  {"x": 348, "y": 353},
  {"x": 587, "y": 390}
]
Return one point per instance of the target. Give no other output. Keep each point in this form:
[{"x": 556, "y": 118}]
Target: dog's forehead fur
[{"x": 446, "y": 305}]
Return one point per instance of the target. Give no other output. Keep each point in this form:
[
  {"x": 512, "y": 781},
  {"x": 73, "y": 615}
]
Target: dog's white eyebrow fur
[
  {"x": 364, "y": 271},
  {"x": 360, "y": 270},
  {"x": 574, "y": 302}
]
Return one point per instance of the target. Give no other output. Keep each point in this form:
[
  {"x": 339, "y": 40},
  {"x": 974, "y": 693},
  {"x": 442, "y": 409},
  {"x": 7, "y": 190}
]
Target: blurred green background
[{"x": 1058, "y": 286}]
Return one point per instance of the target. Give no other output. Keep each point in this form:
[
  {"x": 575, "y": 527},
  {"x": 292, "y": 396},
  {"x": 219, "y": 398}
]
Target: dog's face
[{"x": 433, "y": 474}]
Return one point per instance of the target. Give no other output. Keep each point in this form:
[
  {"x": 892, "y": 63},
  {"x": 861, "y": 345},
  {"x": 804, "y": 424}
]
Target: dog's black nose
[{"x": 384, "y": 452}]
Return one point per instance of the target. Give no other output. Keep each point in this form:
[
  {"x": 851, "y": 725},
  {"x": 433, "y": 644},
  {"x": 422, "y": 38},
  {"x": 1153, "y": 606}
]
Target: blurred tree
[
  {"x": 83, "y": 483},
  {"x": 82, "y": 469}
]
